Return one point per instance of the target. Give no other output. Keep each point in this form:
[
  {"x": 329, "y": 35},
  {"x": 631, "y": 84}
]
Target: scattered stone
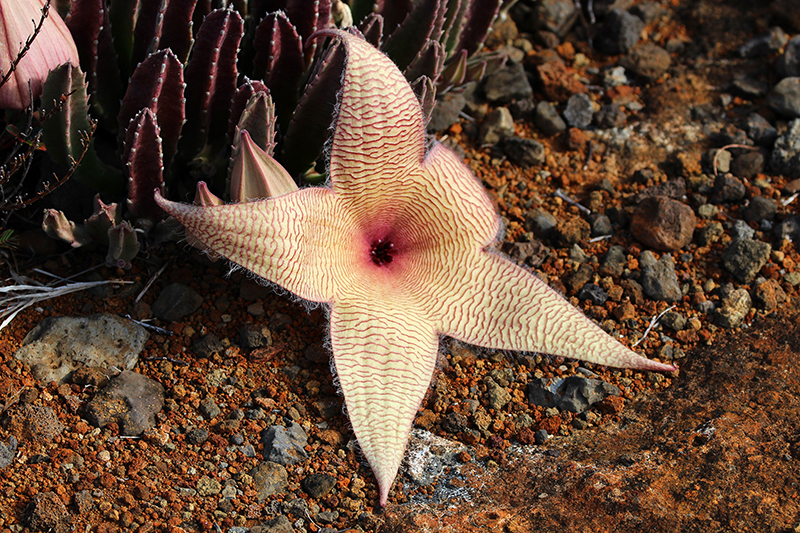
[
  {"x": 255, "y": 336},
  {"x": 524, "y": 152},
  {"x": 556, "y": 16},
  {"x": 742, "y": 230},
  {"x": 579, "y": 111},
  {"x": 497, "y": 125},
  {"x": 610, "y": 116},
  {"x": 727, "y": 189},
  {"x": 175, "y": 302},
  {"x": 207, "y": 346},
  {"x": 507, "y": 84},
  {"x": 47, "y": 512},
  {"x": 8, "y": 452},
  {"x": 208, "y": 486},
  {"x": 197, "y": 436},
  {"x": 748, "y": 164},
  {"x": 279, "y": 524},
  {"x": 600, "y": 224},
  {"x": 593, "y": 293},
  {"x": 648, "y": 61},
  {"x": 784, "y": 98},
  {"x": 58, "y": 346},
  {"x": 209, "y": 409},
  {"x": 498, "y": 396},
  {"x": 285, "y": 445},
  {"x": 557, "y": 82},
  {"x": 663, "y": 223},
  {"x": 733, "y": 309},
  {"x": 540, "y": 436},
  {"x": 269, "y": 478},
  {"x": 318, "y": 485},
  {"x": 526, "y": 253},
  {"x": 769, "y": 295},
  {"x": 614, "y": 77},
  {"x": 658, "y": 278},
  {"x": 788, "y": 64},
  {"x": 788, "y": 229},
  {"x": 447, "y": 110},
  {"x": 723, "y": 158},
  {"x": 743, "y": 258},
  {"x": 579, "y": 278},
  {"x": 674, "y": 321},
  {"x": 761, "y": 208},
  {"x": 547, "y": 119},
  {"x": 540, "y": 222},
  {"x": 766, "y": 44},
  {"x": 619, "y": 33},
  {"x": 455, "y": 423},
  {"x": 614, "y": 262},
  {"x": 760, "y": 130},
  {"x": 707, "y": 211},
  {"x": 38, "y": 423},
  {"x": 579, "y": 393},
  {"x": 131, "y": 400},
  {"x": 541, "y": 394},
  {"x": 575, "y": 393},
  {"x": 523, "y": 110},
  {"x": 786, "y": 151},
  {"x": 572, "y": 230}
]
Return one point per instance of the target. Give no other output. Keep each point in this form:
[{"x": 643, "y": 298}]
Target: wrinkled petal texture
[
  {"x": 53, "y": 46},
  {"x": 292, "y": 240},
  {"x": 399, "y": 247}
]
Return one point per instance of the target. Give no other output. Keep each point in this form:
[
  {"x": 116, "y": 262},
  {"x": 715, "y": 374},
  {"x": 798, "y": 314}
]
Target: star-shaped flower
[{"x": 398, "y": 247}]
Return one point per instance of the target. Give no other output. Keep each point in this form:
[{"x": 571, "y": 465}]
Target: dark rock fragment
[
  {"x": 318, "y": 485},
  {"x": 175, "y": 302},
  {"x": 131, "y": 400}
]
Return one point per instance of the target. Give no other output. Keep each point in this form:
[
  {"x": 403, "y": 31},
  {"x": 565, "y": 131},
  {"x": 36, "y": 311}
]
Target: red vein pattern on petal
[
  {"x": 385, "y": 354},
  {"x": 379, "y": 130},
  {"x": 293, "y": 240},
  {"x": 491, "y": 302}
]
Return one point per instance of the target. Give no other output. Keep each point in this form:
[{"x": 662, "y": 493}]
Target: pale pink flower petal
[
  {"x": 399, "y": 248},
  {"x": 52, "y": 47}
]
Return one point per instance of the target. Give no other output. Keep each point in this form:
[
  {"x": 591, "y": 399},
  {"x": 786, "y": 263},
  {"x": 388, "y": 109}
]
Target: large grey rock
[
  {"x": 58, "y": 346},
  {"x": 507, "y": 84},
  {"x": 131, "y": 400},
  {"x": 659, "y": 280},
  {"x": 743, "y": 258},
  {"x": 285, "y": 446},
  {"x": 175, "y": 302}
]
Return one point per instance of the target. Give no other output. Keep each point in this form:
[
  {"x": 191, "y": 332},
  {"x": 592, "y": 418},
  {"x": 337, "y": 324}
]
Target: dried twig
[
  {"x": 560, "y": 194},
  {"x": 716, "y": 154},
  {"x": 653, "y": 322},
  {"x": 25, "y": 292}
]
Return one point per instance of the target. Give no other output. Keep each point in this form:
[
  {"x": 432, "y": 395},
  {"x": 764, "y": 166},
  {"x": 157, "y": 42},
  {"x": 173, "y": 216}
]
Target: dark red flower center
[{"x": 382, "y": 251}]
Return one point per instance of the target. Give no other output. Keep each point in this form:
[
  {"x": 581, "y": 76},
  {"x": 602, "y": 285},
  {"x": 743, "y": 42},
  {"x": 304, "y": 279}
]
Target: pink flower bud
[{"x": 52, "y": 46}]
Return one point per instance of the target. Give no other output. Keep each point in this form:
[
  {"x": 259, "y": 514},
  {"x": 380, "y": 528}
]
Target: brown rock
[
  {"x": 648, "y": 61},
  {"x": 572, "y": 231},
  {"x": 769, "y": 295},
  {"x": 663, "y": 223},
  {"x": 48, "y": 513},
  {"x": 557, "y": 82}
]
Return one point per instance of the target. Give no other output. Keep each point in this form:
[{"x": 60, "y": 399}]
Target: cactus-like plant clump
[{"x": 174, "y": 84}]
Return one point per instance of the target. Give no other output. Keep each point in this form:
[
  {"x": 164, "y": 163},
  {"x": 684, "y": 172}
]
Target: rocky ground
[{"x": 606, "y": 162}]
